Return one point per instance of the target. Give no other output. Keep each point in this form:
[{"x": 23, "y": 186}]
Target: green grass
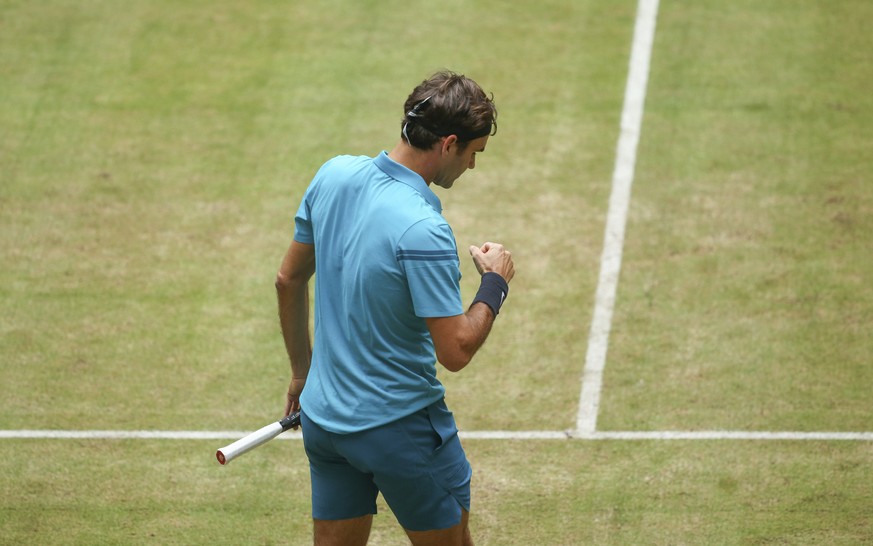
[
  {"x": 160, "y": 156},
  {"x": 744, "y": 302},
  {"x": 152, "y": 158},
  {"x": 701, "y": 492}
]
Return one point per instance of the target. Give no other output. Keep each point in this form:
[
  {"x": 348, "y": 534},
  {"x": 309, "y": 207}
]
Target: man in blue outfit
[{"x": 387, "y": 307}]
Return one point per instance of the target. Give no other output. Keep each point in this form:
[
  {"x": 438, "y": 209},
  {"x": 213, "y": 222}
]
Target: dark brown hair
[{"x": 447, "y": 104}]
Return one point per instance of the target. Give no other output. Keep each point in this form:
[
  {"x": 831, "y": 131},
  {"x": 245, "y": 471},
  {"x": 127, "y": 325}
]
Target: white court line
[
  {"x": 667, "y": 435},
  {"x": 733, "y": 435},
  {"x": 467, "y": 435},
  {"x": 613, "y": 240},
  {"x": 135, "y": 434}
]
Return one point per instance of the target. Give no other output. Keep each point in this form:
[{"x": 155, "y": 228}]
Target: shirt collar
[{"x": 409, "y": 177}]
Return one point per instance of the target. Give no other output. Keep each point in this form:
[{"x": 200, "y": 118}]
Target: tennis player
[{"x": 387, "y": 308}]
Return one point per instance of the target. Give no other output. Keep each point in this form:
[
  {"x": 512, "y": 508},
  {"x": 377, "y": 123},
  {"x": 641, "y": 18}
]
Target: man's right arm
[{"x": 292, "y": 291}]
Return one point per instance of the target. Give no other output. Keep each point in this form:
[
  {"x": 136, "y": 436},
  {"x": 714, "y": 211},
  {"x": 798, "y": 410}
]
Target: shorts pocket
[{"x": 443, "y": 423}]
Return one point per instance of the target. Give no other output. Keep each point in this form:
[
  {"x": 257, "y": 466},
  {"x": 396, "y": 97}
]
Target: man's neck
[{"x": 422, "y": 162}]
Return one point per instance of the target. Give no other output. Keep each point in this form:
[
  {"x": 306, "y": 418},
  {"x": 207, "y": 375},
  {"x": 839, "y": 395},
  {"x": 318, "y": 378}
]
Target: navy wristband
[{"x": 492, "y": 291}]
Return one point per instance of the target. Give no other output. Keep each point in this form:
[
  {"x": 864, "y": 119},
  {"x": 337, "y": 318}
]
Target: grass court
[{"x": 152, "y": 156}]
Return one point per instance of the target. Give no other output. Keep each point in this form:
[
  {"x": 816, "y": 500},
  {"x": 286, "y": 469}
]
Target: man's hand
[
  {"x": 292, "y": 402},
  {"x": 493, "y": 257}
]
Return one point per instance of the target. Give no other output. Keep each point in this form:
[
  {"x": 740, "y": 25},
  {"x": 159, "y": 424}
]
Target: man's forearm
[
  {"x": 480, "y": 319},
  {"x": 294, "y": 320},
  {"x": 456, "y": 339},
  {"x": 292, "y": 292}
]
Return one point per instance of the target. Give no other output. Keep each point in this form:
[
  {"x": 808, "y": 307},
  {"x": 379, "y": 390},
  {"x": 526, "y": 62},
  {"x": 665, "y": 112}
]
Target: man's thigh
[
  {"x": 458, "y": 535},
  {"x": 344, "y": 532}
]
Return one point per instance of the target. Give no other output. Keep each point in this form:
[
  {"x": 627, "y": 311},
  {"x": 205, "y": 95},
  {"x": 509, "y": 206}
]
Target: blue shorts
[{"x": 416, "y": 462}]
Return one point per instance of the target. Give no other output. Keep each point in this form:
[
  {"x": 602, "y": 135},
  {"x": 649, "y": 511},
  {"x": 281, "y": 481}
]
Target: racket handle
[{"x": 290, "y": 421}]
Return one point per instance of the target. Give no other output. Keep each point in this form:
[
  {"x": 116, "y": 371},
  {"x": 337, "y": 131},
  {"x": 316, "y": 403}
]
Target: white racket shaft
[{"x": 255, "y": 439}]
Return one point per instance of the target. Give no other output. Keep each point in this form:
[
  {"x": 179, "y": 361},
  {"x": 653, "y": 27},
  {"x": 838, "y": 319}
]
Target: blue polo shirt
[{"x": 386, "y": 259}]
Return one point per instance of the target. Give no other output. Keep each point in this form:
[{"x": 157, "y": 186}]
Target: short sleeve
[
  {"x": 303, "y": 226},
  {"x": 428, "y": 255},
  {"x": 303, "y": 221}
]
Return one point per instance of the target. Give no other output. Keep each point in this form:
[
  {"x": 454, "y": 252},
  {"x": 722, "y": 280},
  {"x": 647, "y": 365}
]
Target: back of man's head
[{"x": 447, "y": 104}]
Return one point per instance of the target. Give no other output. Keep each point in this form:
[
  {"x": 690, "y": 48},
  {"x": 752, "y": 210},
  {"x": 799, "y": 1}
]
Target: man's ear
[{"x": 448, "y": 142}]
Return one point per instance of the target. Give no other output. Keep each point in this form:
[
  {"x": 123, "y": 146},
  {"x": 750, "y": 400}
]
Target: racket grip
[{"x": 291, "y": 421}]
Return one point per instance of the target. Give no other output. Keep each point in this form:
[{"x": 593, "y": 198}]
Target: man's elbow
[
  {"x": 456, "y": 361},
  {"x": 281, "y": 282},
  {"x": 455, "y": 341},
  {"x": 286, "y": 283}
]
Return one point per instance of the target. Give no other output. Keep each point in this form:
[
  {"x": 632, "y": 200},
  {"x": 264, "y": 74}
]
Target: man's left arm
[{"x": 456, "y": 339}]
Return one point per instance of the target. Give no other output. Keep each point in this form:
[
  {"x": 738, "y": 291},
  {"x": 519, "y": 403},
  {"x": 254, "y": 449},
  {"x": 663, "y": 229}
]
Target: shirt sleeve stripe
[{"x": 426, "y": 255}]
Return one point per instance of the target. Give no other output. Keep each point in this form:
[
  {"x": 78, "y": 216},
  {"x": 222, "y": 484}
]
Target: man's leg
[
  {"x": 343, "y": 497},
  {"x": 459, "y": 535},
  {"x": 343, "y": 532}
]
